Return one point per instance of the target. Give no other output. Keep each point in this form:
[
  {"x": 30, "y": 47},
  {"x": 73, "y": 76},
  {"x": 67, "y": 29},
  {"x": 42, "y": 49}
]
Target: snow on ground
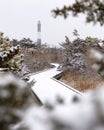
[
  {"x": 47, "y": 89},
  {"x": 83, "y": 113}
]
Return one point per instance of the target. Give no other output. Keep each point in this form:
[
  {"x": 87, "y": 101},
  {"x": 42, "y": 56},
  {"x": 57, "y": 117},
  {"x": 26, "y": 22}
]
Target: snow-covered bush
[
  {"x": 8, "y": 55},
  {"x": 82, "y": 113},
  {"x": 97, "y": 59},
  {"x": 18, "y": 111},
  {"x": 15, "y": 98},
  {"x": 74, "y": 58}
]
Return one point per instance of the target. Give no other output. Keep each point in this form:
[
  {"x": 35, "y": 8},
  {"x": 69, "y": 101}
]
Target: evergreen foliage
[
  {"x": 74, "y": 58},
  {"x": 92, "y": 9},
  {"x": 15, "y": 97},
  {"x": 18, "y": 111},
  {"x": 8, "y": 56}
]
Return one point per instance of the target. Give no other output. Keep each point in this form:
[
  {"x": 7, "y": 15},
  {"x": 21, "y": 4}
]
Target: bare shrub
[{"x": 80, "y": 82}]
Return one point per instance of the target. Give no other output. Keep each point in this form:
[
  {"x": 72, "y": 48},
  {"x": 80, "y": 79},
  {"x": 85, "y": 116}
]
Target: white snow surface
[
  {"x": 101, "y": 44},
  {"x": 48, "y": 89},
  {"x": 94, "y": 54}
]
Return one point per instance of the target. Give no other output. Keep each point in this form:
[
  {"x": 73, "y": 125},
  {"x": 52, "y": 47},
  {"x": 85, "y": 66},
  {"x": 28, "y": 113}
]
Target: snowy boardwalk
[{"x": 46, "y": 88}]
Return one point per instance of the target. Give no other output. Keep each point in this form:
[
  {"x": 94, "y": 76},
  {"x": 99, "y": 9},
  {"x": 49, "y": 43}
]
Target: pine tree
[{"x": 74, "y": 55}]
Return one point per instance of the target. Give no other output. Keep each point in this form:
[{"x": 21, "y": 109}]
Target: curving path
[{"x": 47, "y": 88}]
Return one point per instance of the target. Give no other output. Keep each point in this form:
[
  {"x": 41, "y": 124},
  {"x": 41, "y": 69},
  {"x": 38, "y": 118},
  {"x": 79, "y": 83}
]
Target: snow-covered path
[{"x": 46, "y": 88}]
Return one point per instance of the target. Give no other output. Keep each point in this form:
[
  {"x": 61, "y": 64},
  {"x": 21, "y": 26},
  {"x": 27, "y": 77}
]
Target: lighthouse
[{"x": 39, "y": 32}]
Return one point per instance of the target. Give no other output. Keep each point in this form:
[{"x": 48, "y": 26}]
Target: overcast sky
[{"x": 18, "y": 19}]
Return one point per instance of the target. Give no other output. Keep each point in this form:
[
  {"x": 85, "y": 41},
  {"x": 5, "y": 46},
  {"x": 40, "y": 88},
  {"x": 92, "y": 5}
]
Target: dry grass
[{"x": 80, "y": 82}]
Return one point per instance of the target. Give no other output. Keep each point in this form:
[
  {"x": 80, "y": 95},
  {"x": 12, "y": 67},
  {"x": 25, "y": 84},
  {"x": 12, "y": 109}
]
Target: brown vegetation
[
  {"x": 81, "y": 82},
  {"x": 37, "y": 59}
]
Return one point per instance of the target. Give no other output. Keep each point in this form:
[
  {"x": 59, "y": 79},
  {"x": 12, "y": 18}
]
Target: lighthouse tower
[{"x": 39, "y": 32}]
